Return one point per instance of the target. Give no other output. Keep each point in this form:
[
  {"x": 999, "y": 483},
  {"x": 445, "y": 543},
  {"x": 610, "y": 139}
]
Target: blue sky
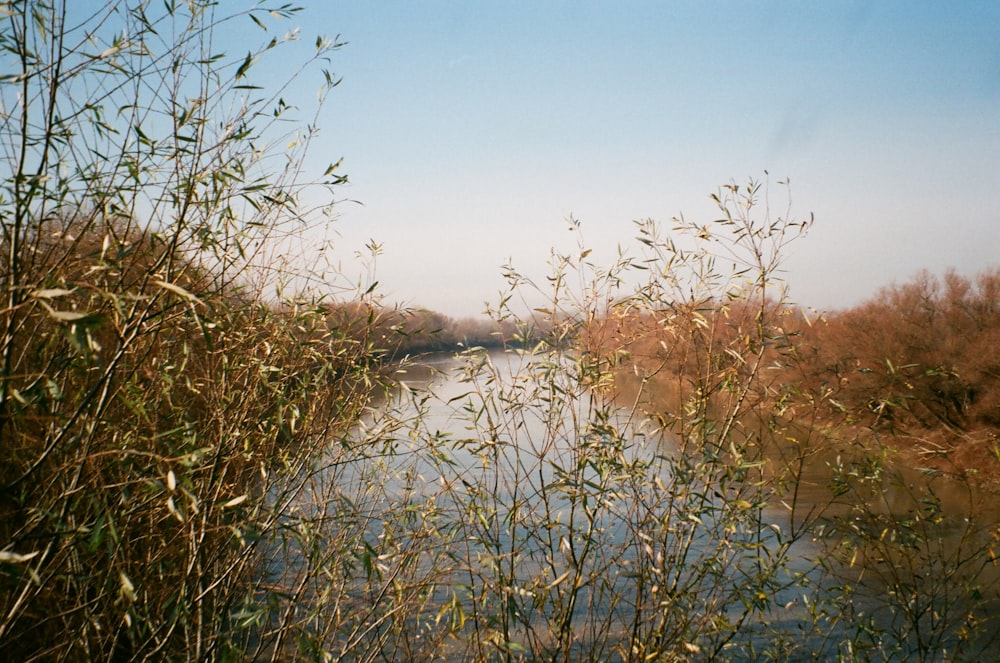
[{"x": 471, "y": 130}]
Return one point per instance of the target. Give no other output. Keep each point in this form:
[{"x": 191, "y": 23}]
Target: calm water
[{"x": 906, "y": 591}]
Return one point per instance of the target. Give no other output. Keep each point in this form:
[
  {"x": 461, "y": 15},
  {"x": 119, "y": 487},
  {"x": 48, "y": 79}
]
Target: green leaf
[{"x": 241, "y": 72}]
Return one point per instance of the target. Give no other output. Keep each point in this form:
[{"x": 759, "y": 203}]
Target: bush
[{"x": 157, "y": 414}]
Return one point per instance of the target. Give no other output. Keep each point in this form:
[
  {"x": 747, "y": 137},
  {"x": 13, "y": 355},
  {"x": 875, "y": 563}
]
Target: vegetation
[
  {"x": 665, "y": 461},
  {"x": 410, "y": 332},
  {"x": 156, "y": 412},
  {"x": 878, "y": 405},
  {"x": 918, "y": 363},
  {"x": 666, "y": 474}
]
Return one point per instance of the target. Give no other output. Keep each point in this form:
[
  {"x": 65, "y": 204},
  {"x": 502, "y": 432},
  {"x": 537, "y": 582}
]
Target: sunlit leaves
[{"x": 140, "y": 195}]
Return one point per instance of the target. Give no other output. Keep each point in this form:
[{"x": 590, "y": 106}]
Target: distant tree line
[{"x": 397, "y": 332}]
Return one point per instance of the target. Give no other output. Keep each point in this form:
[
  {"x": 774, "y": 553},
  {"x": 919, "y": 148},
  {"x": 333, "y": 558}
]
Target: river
[{"x": 539, "y": 520}]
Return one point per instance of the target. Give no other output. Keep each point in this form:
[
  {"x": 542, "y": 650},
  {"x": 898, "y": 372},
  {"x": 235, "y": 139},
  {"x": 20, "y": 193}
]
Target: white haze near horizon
[{"x": 471, "y": 131}]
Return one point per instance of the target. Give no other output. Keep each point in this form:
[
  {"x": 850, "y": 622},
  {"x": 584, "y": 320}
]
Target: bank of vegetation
[
  {"x": 915, "y": 367},
  {"x": 195, "y": 465},
  {"x": 918, "y": 364},
  {"x": 411, "y": 332}
]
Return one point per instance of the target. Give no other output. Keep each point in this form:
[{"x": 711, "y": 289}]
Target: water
[{"x": 544, "y": 518}]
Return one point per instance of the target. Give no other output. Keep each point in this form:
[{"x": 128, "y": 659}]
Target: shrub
[{"x": 157, "y": 415}]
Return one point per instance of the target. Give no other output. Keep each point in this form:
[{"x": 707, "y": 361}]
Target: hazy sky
[{"x": 472, "y": 130}]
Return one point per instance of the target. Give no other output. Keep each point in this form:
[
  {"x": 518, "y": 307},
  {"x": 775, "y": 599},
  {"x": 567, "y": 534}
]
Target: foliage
[
  {"x": 921, "y": 354},
  {"x": 656, "y": 477},
  {"x": 411, "y": 332},
  {"x": 918, "y": 364},
  {"x": 585, "y": 522},
  {"x": 190, "y": 470},
  {"x": 157, "y": 416}
]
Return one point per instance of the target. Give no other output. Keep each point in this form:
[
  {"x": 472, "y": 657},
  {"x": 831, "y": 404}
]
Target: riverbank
[{"x": 973, "y": 456}]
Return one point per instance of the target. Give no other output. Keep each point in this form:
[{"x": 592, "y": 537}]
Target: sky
[{"x": 470, "y": 132}]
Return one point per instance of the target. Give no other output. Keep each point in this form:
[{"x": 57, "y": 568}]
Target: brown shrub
[{"x": 141, "y": 403}]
